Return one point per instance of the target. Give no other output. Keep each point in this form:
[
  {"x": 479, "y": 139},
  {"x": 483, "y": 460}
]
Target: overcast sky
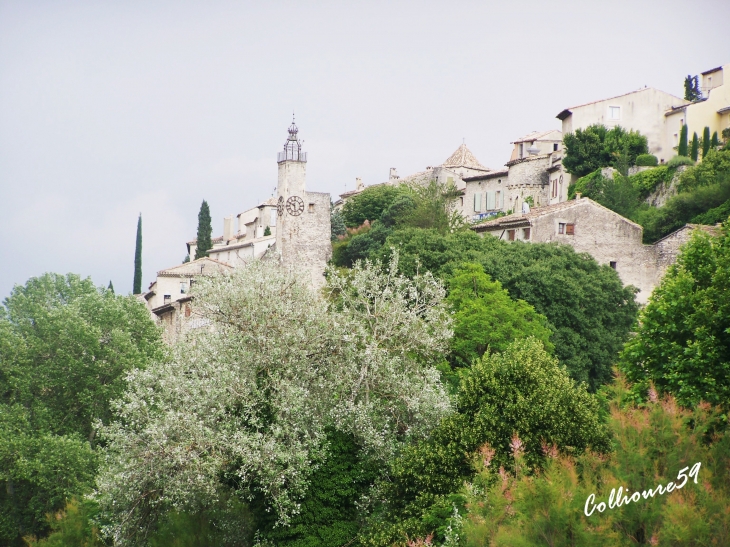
[{"x": 111, "y": 109}]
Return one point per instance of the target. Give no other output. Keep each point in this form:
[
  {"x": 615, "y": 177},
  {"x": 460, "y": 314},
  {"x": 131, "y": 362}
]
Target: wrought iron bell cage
[{"x": 292, "y": 147}]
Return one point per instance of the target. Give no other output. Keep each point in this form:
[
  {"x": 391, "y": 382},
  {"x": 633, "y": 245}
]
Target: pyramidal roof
[{"x": 464, "y": 158}]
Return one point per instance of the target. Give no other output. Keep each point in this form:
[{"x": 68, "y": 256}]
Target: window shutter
[
  {"x": 490, "y": 201},
  {"x": 477, "y": 202},
  {"x": 569, "y": 229}
]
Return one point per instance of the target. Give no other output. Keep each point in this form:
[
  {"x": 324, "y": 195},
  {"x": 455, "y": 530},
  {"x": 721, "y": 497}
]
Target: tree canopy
[
  {"x": 246, "y": 407},
  {"x": 65, "y": 349},
  {"x": 683, "y": 340},
  {"x": 597, "y": 146}
]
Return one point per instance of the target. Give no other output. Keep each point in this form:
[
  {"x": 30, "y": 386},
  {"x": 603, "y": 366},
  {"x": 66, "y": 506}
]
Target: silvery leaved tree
[{"x": 243, "y": 406}]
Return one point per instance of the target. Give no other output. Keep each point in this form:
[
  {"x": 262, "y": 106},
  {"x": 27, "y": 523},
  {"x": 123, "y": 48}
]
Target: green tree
[
  {"x": 137, "y": 285},
  {"x": 590, "y": 312},
  {"x": 204, "y": 241},
  {"x": 110, "y": 287},
  {"x": 245, "y": 407},
  {"x": 370, "y": 203},
  {"x": 683, "y": 149},
  {"x": 692, "y": 89},
  {"x": 597, "y": 146},
  {"x": 683, "y": 342},
  {"x": 267, "y": 231},
  {"x": 65, "y": 350},
  {"x": 695, "y": 149},
  {"x": 705, "y": 141},
  {"x": 337, "y": 223},
  {"x": 521, "y": 396},
  {"x": 486, "y": 318},
  {"x": 715, "y": 142}
]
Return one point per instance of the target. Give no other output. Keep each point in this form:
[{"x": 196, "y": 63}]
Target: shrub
[
  {"x": 647, "y": 181},
  {"x": 676, "y": 161},
  {"x": 370, "y": 203},
  {"x": 591, "y": 185},
  {"x": 646, "y": 160},
  {"x": 715, "y": 215}
]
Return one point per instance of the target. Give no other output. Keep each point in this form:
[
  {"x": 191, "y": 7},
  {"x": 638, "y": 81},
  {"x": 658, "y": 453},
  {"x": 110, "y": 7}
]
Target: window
[
  {"x": 555, "y": 147},
  {"x": 612, "y": 264},
  {"x": 183, "y": 287},
  {"x": 614, "y": 112},
  {"x": 462, "y": 200},
  {"x": 525, "y": 233},
  {"x": 510, "y": 235},
  {"x": 561, "y": 228},
  {"x": 569, "y": 229},
  {"x": 522, "y": 149},
  {"x": 311, "y": 207},
  {"x": 166, "y": 299}
]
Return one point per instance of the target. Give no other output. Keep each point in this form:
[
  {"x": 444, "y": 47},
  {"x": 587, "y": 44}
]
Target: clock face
[
  {"x": 295, "y": 206},
  {"x": 280, "y": 206}
]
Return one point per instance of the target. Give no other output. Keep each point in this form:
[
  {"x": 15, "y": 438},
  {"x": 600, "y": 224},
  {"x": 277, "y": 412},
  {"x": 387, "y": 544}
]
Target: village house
[
  {"x": 712, "y": 111},
  {"x": 591, "y": 228},
  {"x": 642, "y": 110}
]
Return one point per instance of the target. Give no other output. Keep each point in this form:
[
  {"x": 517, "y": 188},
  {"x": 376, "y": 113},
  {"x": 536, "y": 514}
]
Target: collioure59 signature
[{"x": 617, "y": 499}]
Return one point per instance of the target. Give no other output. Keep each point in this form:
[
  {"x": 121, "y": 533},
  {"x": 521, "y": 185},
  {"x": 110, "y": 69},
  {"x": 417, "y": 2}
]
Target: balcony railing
[{"x": 291, "y": 155}]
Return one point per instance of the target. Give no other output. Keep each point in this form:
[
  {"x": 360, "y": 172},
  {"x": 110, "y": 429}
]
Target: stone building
[
  {"x": 607, "y": 236},
  {"x": 168, "y": 296},
  {"x": 533, "y": 175}
]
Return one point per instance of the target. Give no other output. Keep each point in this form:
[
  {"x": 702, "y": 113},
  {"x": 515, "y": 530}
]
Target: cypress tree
[
  {"x": 205, "y": 232},
  {"x": 137, "y": 285},
  {"x": 715, "y": 141},
  {"x": 110, "y": 287},
  {"x": 682, "y": 150},
  {"x": 694, "y": 152},
  {"x": 705, "y": 142}
]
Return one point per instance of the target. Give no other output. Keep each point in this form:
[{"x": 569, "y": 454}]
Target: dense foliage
[
  {"x": 65, "y": 348},
  {"x": 244, "y": 408},
  {"x": 519, "y": 393},
  {"x": 588, "y": 309},
  {"x": 683, "y": 341},
  {"x": 370, "y": 204},
  {"x": 486, "y": 318},
  {"x": 683, "y": 149},
  {"x": 652, "y": 443},
  {"x": 597, "y": 146},
  {"x": 692, "y": 90}
]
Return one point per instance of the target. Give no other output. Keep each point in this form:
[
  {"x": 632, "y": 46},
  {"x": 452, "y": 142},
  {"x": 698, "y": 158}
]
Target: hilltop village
[{"x": 528, "y": 199}]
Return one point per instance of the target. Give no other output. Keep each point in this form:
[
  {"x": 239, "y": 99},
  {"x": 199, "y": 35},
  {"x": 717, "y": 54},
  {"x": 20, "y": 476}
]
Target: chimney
[
  {"x": 577, "y": 195},
  {"x": 228, "y": 228},
  {"x": 393, "y": 174}
]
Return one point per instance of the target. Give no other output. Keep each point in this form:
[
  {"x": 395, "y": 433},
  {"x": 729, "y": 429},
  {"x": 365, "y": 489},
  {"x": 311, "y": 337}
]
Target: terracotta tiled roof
[
  {"x": 218, "y": 239},
  {"x": 464, "y": 158}
]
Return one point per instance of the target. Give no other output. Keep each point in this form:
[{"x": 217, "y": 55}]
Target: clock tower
[{"x": 303, "y": 218}]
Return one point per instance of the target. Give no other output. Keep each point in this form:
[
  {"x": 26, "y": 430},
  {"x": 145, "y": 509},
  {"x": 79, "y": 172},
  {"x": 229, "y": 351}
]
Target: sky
[{"x": 113, "y": 109}]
